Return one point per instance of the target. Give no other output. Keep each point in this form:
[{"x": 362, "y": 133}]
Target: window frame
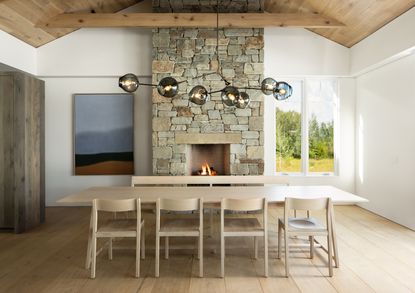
[{"x": 305, "y": 130}]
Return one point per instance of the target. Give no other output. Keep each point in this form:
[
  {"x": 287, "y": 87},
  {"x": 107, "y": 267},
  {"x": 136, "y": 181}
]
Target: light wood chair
[
  {"x": 306, "y": 226},
  {"x": 243, "y": 227},
  {"x": 115, "y": 228},
  {"x": 173, "y": 227}
]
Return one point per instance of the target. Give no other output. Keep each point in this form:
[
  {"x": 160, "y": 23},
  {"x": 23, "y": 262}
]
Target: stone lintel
[{"x": 208, "y": 138}]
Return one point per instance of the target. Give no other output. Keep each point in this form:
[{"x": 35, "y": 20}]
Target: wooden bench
[{"x": 207, "y": 180}]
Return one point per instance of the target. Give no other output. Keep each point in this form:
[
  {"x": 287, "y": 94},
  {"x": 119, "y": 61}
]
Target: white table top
[{"x": 213, "y": 194}]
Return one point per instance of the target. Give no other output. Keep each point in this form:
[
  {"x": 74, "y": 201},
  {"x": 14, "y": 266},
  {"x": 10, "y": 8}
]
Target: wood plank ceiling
[
  {"x": 19, "y": 17},
  {"x": 361, "y": 17}
]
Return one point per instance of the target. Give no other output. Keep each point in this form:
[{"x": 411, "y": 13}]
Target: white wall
[
  {"x": 393, "y": 41},
  {"x": 17, "y": 54},
  {"x": 295, "y": 51},
  {"x": 90, "y": 61},
  {"x": 300, "y": 53},
  {"x": 97, "y": 52},
  {"x": 60, "y": 180},
  {"x": 385, "y": 140},
  {"x": 384, "y": 64}
]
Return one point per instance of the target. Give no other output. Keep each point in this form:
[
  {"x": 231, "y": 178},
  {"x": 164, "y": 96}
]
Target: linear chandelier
[{"x": 199, "y": 95}]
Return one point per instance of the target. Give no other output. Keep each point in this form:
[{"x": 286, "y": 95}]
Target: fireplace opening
[{"x": 208, "y": 159}]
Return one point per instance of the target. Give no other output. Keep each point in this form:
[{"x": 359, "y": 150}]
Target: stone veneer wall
[{"x": 187, "y": 53}]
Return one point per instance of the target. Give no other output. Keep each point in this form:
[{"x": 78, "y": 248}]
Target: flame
[{"x": 206, "y": 170}]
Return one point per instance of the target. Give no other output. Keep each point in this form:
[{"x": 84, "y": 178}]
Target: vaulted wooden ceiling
[{"x": 361, "y": 18}]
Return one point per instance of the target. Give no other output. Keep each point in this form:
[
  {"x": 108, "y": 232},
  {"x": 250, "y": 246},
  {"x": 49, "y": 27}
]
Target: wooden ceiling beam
[{"x": 164, "y": 20}]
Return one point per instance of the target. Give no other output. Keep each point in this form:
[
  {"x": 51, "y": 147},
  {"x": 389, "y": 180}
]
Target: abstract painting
[{"x": 104, "y": 134}]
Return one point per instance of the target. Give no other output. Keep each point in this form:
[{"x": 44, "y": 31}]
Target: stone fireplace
[{"x": 178, "y": 124}]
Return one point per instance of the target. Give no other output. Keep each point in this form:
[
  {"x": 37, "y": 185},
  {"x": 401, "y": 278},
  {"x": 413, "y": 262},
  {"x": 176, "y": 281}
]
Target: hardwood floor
[{"x": 376, "y": 255}]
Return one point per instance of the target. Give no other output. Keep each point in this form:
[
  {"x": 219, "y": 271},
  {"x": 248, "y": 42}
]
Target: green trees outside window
[
  {"x": 288, "y": 140},
  {"x": 320, "y": 150},
  {"x": 320, "y": 98}
]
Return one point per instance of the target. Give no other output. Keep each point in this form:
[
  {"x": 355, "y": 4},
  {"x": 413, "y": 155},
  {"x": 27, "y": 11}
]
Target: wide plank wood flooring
[{"x": 376, "y": 255}]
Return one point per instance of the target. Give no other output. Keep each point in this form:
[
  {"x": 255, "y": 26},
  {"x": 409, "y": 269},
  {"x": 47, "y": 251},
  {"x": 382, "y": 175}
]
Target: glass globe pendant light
[
  {"x": 268, "y": 86},
  {"x": 283, "y": 91},
  {"x": 243, "y": 100},
  {"x": 199, "y": 95},
  {"x": 168, "y": 87},
  {"x": 230, "y": 95},
  {"x": 128, "y": 82}
]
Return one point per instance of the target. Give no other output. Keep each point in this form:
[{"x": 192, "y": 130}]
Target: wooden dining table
[{"x": 213, "y": 194}]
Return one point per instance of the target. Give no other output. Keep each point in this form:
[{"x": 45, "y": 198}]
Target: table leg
[
  {"x": 88, "y": 252},
  {"x": 335, "y": 247}
]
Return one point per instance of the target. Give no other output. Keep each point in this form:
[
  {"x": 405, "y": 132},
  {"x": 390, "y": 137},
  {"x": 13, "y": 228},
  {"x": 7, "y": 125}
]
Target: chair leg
[
  {"x": 311, "y": 239},
  {"x": 266, "y": 253},
  {"x": 330, "y": 253},
  {"x": 166, "y": 247},
  {"x": 279, "y": 241},
  {"x": 201, "y": 255},
  {"x": 88, "y": 250},
  {"x": 94, "y": 256},
  {"x": 255, "y": 247},
  {"x": 222, "y": 256},
  {"x": 287, "y": 251},
  {"x": 143, "y": 242},
  {"x": 157, "y": 264},
  {"x": 333, "y": 231},
  {"x": 198, "y": 250},
  {"x": 137, "y": 256},
  {"x": 211, "y": 223},
  {"x": 110, "y": 249}
]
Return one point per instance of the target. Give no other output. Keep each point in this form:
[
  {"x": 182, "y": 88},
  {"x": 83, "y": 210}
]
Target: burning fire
[{"x": 207, "y": 170}]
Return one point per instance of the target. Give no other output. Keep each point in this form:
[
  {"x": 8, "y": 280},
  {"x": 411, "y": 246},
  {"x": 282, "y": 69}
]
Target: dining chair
[
  {"x": 244, "y": 227},
  {"x": 114, "y": 228},
  {"x": 306, "y": 226},
  {"x": 178, "y": 226}
]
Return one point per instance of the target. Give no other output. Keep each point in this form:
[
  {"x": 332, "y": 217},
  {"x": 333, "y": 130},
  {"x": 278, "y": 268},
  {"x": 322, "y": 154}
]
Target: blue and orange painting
[{"x": 104, "y": 134}]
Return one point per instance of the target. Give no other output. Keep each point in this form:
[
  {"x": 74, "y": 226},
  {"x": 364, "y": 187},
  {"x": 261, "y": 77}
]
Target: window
[{"x": 305, "y": 128}]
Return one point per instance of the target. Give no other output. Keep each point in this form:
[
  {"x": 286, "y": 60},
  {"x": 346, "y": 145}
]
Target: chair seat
[
  {"x": 119, "y": 225},
  {"x": 176, "y": 225},
  {"x": 304, "y": 224},
  {"x": 242, "y": 224}
]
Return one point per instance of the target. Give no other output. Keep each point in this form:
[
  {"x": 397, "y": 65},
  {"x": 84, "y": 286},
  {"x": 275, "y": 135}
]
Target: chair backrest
[
  {"x": 179, "y": 205},
  {"x": 246, "y": 205},
  {"x": 308, "y": 204},
  {"x": 115, "y": 205}
]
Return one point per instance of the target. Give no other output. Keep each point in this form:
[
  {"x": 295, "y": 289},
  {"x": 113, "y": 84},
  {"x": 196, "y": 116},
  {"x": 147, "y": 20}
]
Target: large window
[{"x": 305, "y": 128}]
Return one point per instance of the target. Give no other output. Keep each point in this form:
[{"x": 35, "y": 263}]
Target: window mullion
[{"x": 304, "y": 131}]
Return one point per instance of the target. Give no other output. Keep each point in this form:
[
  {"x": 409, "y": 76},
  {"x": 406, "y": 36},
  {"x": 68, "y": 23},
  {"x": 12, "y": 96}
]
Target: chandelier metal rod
[{"x": 199, "y": 95}]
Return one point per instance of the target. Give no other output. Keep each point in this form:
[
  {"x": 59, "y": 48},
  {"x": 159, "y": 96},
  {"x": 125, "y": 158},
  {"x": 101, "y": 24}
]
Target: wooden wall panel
[
  {"x": 24, "y": 101},
  {"x": 6, "y": 143},
  {"x": 19, "y": 158}
]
